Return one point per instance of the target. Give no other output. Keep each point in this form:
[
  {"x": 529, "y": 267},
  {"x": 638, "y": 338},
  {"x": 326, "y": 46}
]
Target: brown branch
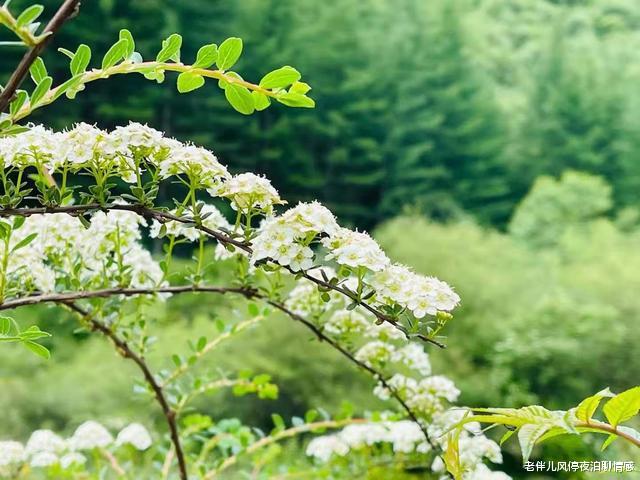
[
  {"x": 66, "y": 11},
  {"x": 110, "y": 292},
  {"x": 68, "y": 298},
  {"x": 125, "y": 351},
  {"x": 223, "y": 238}
]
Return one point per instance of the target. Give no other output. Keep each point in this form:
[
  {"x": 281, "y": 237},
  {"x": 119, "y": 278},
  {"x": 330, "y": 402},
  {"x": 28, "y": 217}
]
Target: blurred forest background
[{"x": 493, "y": 143}]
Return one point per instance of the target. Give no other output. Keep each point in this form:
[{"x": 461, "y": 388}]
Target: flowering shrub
[{"x": 80, "y": 245}]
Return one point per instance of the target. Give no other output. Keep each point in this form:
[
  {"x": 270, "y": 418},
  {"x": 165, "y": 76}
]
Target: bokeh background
[{"x": 493, "y": 143}]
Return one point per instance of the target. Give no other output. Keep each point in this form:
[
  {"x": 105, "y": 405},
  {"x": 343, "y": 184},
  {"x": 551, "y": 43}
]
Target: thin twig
[
  {"x": 223, "y": 238},
  {"x": 66, "y": 11},
  {"x": 125, "y": 351},
  {"x": 68, "y": 298}
]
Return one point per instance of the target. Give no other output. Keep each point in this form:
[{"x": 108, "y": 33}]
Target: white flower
[
  {"x": 482, "y": 472},
  {"x": 90, "y": 435},
  {"x": 355, "y": 249},
  {"x": 72, "y": 458},
  {"x": 413, "y": 356},
  {"x": 346, "y": 321},
  {"x": 194, "y": 161},
  {"x": 136, "y": 435},
  {"x": 323, "y": 448},
  {"x": 11, "y": 453},
  {"x": 375, "y": 353},
  {"x": 43, "y": 459},
  {"x": 44, "y": 441},
  {"x": 248, "y": 191}
]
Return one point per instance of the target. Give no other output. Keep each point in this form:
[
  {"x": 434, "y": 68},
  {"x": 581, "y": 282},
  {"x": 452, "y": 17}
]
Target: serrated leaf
[
  {"x": 29, "y": 15},
  {"x": 588, "y": 406},
  {"x": 80, "y": 59},
  {"x": 207, "y": 56},
  {"x": 40, "y": 91},
  {"x": 115, "y": 54},
  {"x": 528, "y": 435},
  {"x": 229, "y": 53},
  {"x": 623, "y": 406},
  {"x": 38, "y": 349},
  {"x": 292, "y": 99},
  {"x": 240, "y": 98},
  {"x": 280, "y": 78},
  {"x": 170, "y": 49},
  {"x": 131, "y": 44},
  {"x": 189, "y": 81},
  {"x": 38, "y": 70}
]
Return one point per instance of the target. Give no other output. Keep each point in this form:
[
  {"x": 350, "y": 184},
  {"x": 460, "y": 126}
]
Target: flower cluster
[
  {"x": 51, "y": 249},
  {"x": 45, "y": 448},
  {"x": 124, "y": 152},
  {"x": 404, "y": 436},
  {"x": 292, "y": 239}
]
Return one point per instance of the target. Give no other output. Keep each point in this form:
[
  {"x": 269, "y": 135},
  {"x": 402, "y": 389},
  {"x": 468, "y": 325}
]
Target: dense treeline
[{"x": 444, "y": 106}]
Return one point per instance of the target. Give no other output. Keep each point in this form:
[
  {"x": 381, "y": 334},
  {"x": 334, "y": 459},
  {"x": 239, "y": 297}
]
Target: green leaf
[
  {"x": 29, "y": 15},
  {"x": 300, "y": 87},
  {"x": 66, "y": 52},
  {"x": 528, "y": 435},
  {"x": 610, "y": 439},
  {"x": 38, "y": 71},
  {"x": 240, "y": 98},
  {"x": 80, "y": 59},
  {"x": 38, "y": 349},
  {"x": 202, "y": 342},
  {"x": 33, "y": 333},
  {"x": 18, "y": 222},
  {"x": 131, "y": 44},
  {"x": 69, "y": 84},
  {"x": 115, "y": 54},
  {"x": 170, "y": 49},
  {"x": 20, "y": 99},
  {"x": 280, "y": 78},
  {"x": 506, "y": 436},
  {"x": 39, "y": 92},
  {"x": 253, "y": 309},
  {"x": 189, "y": 81},
  {"x": 207, "y": 56},
  {"x": 623, "y": 406},
  {"x": 24, "y": 242},
  {"x": 588, "y": 406},
  {"x": 229, "y": 53},
  {"x": 292, "y": 99},
  {"x": 5, "y": 325},
  {"x": 278, "y": 422},
  {"x": 261, "y": 100}
]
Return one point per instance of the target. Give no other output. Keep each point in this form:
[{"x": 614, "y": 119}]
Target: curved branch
[
  {"x": 288, "y": 433},
  {"x": 610, "y": 429},
  {"x": 143, "y": 67},
  {"x": 125, "y": 351},
  {"x": 66, "y": 11},
  {"x": 222, "y": 237},
  {"x": 68, "y": 298}
]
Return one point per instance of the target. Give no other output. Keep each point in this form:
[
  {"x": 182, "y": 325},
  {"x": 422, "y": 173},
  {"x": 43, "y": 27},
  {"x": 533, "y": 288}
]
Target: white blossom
[
  {"x": 72, "y": 458},
  {"x": 136, "y": 435},
  {"x": 355, "y": 249},
  {"x": 323, "y": 448},
  {"x": 44, "y": 441},
  {"x": 90, "y": 435},
  {"x": 11, "y": 453},
  {"x": 248, "y": 191},
  {"x": 43, "y": 459}
]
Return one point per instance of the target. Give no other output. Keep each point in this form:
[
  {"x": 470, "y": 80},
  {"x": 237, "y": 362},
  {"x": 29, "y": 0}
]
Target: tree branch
[
  {"x": 69, "y": 298},
  {"x": 222, "y": 237},
  {"x": 125, "y": 351},
  {"x": 64, "y": 13}
]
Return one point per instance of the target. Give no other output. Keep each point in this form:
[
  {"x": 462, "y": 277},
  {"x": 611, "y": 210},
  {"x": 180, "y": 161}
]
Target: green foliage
[
  {"x": 553, "y": 207},
  {"x": 536, "y": 424}
]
